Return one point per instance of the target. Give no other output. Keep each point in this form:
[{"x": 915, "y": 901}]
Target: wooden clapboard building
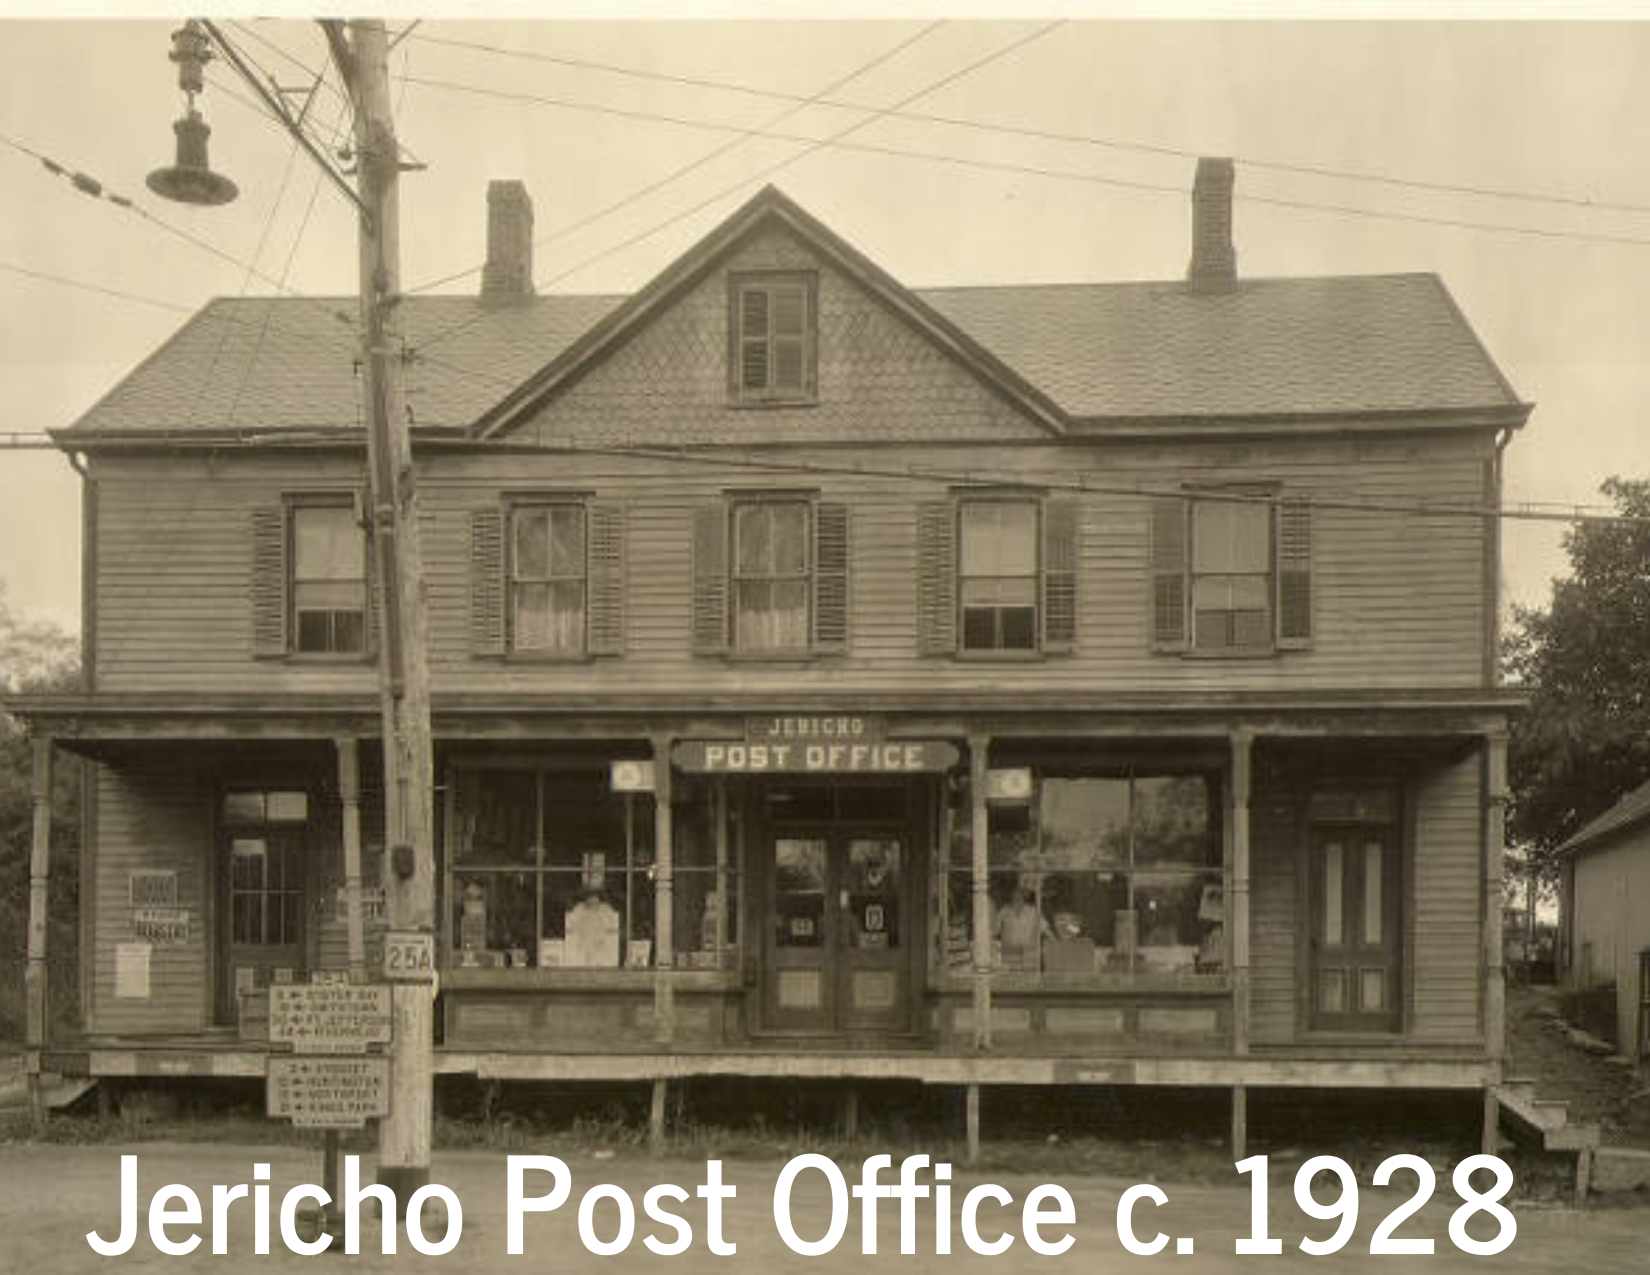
[{"x": 1020, "y": 685}]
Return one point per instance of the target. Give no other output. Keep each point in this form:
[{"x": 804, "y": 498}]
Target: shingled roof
[
  {"x": 1628, "y": 813},
  {"x": 1337, "y": 346}
]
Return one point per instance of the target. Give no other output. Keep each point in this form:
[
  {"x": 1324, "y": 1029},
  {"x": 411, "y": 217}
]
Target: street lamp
[{"x": 191, "y": 180}]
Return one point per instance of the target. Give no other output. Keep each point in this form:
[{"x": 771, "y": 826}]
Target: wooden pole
[
  {"x": 664, "y": 895},
  {"x": 349, "y": 796},
  {"x": 979, "y": 750},
  {"x": 1495, "y": 986},
  {"x": 409, "y": 776},
  {"x": 1238, "y": 909},
  {"x": 35, "y": 976}
]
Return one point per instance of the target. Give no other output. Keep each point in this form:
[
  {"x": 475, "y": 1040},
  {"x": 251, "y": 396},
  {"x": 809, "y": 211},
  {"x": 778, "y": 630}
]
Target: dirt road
[{"x": 50, "y": 1196}]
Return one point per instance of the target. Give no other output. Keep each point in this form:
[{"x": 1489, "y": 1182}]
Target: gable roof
[
  {"x": 1070, "y": 355},
  {"x": 1632, "y": 810}
]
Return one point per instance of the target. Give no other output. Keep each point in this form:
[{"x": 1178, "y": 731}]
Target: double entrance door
[{"x": 841, "y": 931}]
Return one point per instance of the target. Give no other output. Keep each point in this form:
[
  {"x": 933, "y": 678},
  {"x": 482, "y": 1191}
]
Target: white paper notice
[{"x": 132, "y": 971}]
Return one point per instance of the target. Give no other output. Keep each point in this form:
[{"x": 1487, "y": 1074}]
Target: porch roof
[{"x": 93, "y": 717}]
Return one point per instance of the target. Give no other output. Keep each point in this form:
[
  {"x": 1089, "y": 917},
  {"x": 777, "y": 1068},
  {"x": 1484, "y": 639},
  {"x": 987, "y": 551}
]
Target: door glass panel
[
  {"x": 873, "y": 892},
  {"x": 1332, "y": 857},
  {"x": 799, "y": 892},
  {"x": 1372, "y": 991},
  {"x": 1372, "y": 892}
]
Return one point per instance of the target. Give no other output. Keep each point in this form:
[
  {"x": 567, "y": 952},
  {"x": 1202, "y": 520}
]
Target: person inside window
[{"x": 1020, "y": 928}]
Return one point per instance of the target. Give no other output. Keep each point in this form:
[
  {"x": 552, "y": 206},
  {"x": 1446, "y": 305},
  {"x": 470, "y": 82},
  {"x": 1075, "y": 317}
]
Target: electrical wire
[
  {"x": 1052, "y": 135},
  {"x": 1034, "y": 170},
  {"x": 47, "y": 277},
  {"x": 90, "y": 186},
  {"x": 692, "y": 165},
  {"x": 813, "y": 147}
]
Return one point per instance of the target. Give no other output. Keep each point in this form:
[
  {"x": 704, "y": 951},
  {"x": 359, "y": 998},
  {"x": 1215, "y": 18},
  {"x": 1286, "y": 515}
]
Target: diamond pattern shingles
[{"x": 1385, "y": 343}]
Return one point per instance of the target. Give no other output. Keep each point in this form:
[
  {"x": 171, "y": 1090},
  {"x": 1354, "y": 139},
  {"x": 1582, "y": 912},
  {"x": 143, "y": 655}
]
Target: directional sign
[
  {"x": 329, "y": 1018},
  {"x": 328, "y": 1093}
]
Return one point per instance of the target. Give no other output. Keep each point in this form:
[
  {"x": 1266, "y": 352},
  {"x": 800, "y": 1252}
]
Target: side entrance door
[
  {"x": 836, "y": 952},
  {"x": 1356, "y": 932},
  {"x": 260, "y": 906}
]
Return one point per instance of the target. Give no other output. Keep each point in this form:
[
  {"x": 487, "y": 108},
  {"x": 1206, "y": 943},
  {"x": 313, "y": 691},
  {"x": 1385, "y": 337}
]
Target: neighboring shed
[{"x": 1606, "y": 913}]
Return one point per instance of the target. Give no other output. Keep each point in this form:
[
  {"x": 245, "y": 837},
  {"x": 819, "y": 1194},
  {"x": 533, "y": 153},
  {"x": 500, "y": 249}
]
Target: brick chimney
[
  {"x": 1214, "y": 260},
  {"x": 508, "y": 274}
]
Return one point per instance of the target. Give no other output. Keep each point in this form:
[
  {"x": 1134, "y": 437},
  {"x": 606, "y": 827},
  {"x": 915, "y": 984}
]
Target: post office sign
[{"x": 779, "y": 757}]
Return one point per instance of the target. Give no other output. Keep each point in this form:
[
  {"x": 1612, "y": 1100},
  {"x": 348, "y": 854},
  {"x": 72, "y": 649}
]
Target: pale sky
[{"x": 1539, "y": 108}]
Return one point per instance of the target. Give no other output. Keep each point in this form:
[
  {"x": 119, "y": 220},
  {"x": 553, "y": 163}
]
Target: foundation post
[
  {"x": 1240, "y": 1122},
  {"x": 1492, "y": 1120},
  {"x": 656, "y": 1113},
  {"x": 973, "y": 1121}
]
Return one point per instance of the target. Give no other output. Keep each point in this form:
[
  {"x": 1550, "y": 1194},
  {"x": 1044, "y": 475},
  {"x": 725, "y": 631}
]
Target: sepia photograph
[{"x": 949, "y": 632}]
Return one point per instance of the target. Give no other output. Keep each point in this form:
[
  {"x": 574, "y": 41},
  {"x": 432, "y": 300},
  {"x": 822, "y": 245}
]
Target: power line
[
  {"x": 1050, "y": 135},
  {"x": 90, "y": 186},
  {"x": 1033, "y": 170},
  {"x": 709, "y": 156},
  {"x": 813, "y": 147},
  {"x": 46, "y": 277}
]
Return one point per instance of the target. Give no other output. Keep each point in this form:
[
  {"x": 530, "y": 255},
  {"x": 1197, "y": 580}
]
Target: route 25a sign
[{"x": 409, "y": 956}]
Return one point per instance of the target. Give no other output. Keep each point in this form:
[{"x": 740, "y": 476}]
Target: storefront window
[
  {"x": 706, "y": 881},
  {"x": 1098, "y": 874},
  {"x": 550, "y": 869}
]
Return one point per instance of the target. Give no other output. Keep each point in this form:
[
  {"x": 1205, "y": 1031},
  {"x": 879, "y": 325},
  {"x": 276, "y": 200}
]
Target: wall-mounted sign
[
  {"x": 329, "y": 1018},
  {"x": 328, "y": 1093},
  {"x": 1008, "y": 785},
  {"x": 152, "y": 888},
  {"x": 161, "y": 927},
  {"x": 132, "y": 971},
  {"x": 631, "y": 776},
  {"x": 899, "y": 756},
  {"x": 815, "y": 727}
]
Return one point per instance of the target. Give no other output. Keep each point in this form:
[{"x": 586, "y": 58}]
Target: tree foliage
[
  {"x": 1585, "y": 660},
  {"x": 35, "y": 656}
]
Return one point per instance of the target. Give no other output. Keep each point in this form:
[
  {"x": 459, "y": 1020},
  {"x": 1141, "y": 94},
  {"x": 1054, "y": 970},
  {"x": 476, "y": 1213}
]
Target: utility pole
[{"x": 404, "y": 682}]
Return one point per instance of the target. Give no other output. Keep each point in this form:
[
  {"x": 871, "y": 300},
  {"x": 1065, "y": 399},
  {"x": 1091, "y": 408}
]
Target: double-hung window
[
  {"x": 1232, "y": 571},
  {"x": 772, "y": 574},
  {"x": 1231, "y": 574},
  {"x": 329, "y": 579},
  {"x": 773, "y": 346},
  {"x": 548, "y": 567},
  {"x": 998, "y": 575}
]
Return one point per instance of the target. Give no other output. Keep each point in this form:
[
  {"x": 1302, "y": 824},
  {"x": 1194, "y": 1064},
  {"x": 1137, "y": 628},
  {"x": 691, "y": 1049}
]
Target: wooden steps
[{"x": 1545, "y": 1123}]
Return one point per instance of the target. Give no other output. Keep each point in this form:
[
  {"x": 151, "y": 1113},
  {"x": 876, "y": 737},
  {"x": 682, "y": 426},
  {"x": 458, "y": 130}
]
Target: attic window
[{"x": 773, "y": 345}]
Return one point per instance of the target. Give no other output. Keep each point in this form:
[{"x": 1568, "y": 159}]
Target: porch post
[
  {"x": 979, "y": 747},
  {"x": 349, "y": 795},
  {"x": 1495, "y": 986},
  {"x": 1238, "y": 909},
  {"x": 664, "y": 894},
  {"x": 35, "y": 976}
]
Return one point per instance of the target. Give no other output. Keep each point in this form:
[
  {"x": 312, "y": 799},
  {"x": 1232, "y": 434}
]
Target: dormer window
[{"x": 773, "y": 354}]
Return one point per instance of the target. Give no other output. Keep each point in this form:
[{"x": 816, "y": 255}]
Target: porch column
[
  {"x": 349, "y": 795},
  {"x": 979, "y": 748},
  {"x": 34, "y": 976},
  {"x": 664, "y": 894},
  {"x": 1238, "y": 905},
  {"x": 1495, "y": 986}
]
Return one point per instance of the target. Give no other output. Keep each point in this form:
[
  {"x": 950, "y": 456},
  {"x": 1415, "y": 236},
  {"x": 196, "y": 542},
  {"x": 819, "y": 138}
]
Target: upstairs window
[
  {"x": 997, "y": 575},
  {"x": 1232, "y": 572},
  {"x": 1231, "y": 575},
  {"x": 329, "y": 580},
  {"x": 547, "y": 578},
  {"x": 771, "y": 576},
  {"x": 773, "y": 346}
]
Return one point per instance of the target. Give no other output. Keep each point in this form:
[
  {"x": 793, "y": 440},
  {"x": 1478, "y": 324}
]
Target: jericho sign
[{"x": 819, "y": 756}]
